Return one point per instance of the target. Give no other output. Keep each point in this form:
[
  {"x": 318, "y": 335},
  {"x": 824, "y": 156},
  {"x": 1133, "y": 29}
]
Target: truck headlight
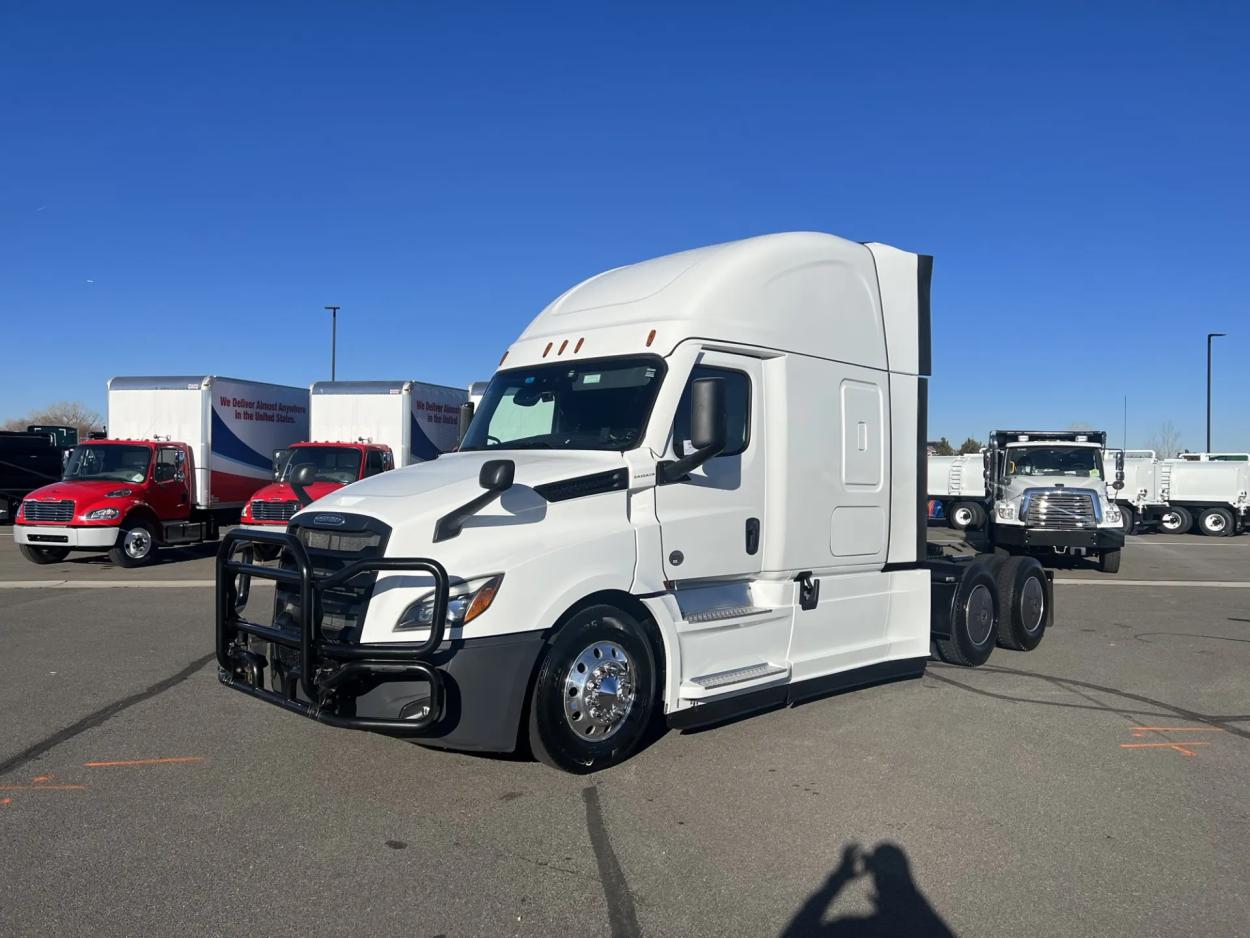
[
  {"x": 101, "y": 514},
  {"x": 1112, "y": 515},
  {"x": 465, "y": 603},
  {"x": 1006, "y": 511}
]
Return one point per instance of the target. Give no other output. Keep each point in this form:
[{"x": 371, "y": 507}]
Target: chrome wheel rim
[
  {"x": 979, "y": 611},
  {"x": 963, "y": 517},
  {"x": 599, "y": 691},
  {"x": 137, "y": 543},
  {"x": 1032, "y": 604},
  {"x": 1170, "y": 521},
  {"x": 1215, "y": 524}
]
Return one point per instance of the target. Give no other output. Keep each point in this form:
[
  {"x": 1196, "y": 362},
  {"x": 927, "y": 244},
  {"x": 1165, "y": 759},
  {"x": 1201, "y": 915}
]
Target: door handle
[{"x": 753, "y": 535}]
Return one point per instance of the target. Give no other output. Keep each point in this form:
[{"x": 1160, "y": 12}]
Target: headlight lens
[
  {"x": 1113, "y": 515},
  {"x": 1006, "y": 511},
  {"x": 120, "y": 493},
  {"x": 102, "y": 514},
  {"x": 466, "y": 602}
]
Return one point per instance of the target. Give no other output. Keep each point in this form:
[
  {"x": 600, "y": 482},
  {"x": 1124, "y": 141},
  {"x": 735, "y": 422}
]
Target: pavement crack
[
  {"x": 105, "y": 713},
  {"x": 622, "y": 916}
]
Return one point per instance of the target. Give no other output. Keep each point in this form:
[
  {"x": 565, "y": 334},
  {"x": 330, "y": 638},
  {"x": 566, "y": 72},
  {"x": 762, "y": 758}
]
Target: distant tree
[
  {"x": 61, "y": 414},
  {"x": 1166, "y": 441},
  {"x": 943, "y": 448},
  {"x": 969, "y": 445}
]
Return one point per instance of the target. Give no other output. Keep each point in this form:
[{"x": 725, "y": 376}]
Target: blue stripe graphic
[
  {"x": 226, "y": 443},
  {"x": 421, "y": 446}
]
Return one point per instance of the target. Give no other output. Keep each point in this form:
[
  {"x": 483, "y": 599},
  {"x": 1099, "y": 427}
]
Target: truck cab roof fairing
[{"x": 764, "y": 291}]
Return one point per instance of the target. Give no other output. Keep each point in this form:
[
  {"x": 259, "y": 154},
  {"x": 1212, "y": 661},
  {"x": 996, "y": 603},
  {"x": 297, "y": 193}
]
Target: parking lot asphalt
[{"x": 1096, "y": 786}]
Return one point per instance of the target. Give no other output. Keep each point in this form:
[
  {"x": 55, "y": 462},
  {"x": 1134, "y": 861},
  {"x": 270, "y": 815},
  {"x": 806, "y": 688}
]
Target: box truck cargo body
[
  {"x": 694, "y": 489},
  {"x": 183, "y": 455}
]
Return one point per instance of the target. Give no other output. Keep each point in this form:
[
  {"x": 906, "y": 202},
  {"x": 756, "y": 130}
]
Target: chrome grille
[
  {"x": 1061, "y": 510},
  {"x": 49, "y": 511},
  {"x": 274, "y": 511}
]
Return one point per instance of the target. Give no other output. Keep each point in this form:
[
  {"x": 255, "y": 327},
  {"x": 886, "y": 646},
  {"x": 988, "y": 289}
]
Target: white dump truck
[
  {"x": 958, "y": 484},
  {"x": 1180, "y": 495},
  {"x": 692, "y": 490}
]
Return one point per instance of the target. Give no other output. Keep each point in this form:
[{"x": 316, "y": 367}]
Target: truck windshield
[
  {"x": 1079, "y": 461},
  {"x": 112, "y": 463},
  {"x": 601, "y": 405},
  {"x": 333, "y": 463}
]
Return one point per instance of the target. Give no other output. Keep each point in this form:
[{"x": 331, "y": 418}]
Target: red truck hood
[
  {"x": 80, "y": 490},
  {"x": 282, "y": 492}
]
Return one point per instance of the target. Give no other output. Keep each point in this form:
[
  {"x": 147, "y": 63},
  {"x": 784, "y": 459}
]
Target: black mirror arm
[
  {"x": 677, "y": 469},
  {"x": 450, "y": 525}
]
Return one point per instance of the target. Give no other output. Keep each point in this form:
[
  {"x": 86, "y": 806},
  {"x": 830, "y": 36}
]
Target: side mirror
[
  {"x": 466, "y": 418},
  {"x": 303, "y": 476},
  {"x": 496, "y": 475},
  {"x": 708, "y": 431}
]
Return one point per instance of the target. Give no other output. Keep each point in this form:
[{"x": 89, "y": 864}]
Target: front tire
[
  {"x": 1109, "y": 561},
  {"x": 136, "y": 545},
  {"x": 973, "y": 620},
  {"x": 594, "y": 698},
  {"x": 1216, "y": 522},
  {"x": 962, "y": 516},
  {"x": 1176, "y": 520},
  {"x": 43, "y": 555},
  {"x": 1128, "y": 519},
  {"x": 1024, "y": 603}
]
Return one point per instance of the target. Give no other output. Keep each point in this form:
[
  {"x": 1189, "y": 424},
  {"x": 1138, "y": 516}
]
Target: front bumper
[
  {"x": 453, "y": 693},
  {"x": 51, "y": 535},
  {"x": 1011, "y": 535}
]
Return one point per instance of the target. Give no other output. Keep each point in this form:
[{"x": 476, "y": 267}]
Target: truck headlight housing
[
  {"x": 1006, "y": 511},
  {"x": 101, "y": 514},
  {"x": 465, "y": 602},
  {"x": 1112, "y": 515}
]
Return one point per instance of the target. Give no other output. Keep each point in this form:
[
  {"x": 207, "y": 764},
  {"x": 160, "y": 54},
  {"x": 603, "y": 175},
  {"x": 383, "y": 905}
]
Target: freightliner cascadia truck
[
  {"x": 358, "y": 429},
  {"x": 184, "y": 455},
  {"x": 694, "y": 489}
]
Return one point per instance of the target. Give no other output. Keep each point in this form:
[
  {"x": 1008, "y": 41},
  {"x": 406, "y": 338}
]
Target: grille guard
[{"x": 326, "y": 668}]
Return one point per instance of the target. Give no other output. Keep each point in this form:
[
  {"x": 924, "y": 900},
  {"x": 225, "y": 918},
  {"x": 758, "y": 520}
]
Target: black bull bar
[{"x": 328, "y": 670}]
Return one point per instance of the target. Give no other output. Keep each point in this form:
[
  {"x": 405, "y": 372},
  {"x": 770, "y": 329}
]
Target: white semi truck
[{"x": 693, "y": 490}]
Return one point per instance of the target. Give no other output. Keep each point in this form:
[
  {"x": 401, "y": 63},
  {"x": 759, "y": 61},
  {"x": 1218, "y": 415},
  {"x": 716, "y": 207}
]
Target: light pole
[
  {"x": 1210, "y": 336},
  {"x": 334, "y": 338}
]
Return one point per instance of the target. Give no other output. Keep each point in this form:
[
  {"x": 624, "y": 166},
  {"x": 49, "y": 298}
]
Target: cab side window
[
  {"x": 374, "y": 462},
  {"x": 167, "y": 463},
  {"x": 737, "y": 410}
]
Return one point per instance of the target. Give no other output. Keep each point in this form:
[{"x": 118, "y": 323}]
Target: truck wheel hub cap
[
  {"x": 1032, "y": 604},
  {"x": 980, "y": 612},
  {"x": 599, "y": 691},
  {"x": 137, "y": 543},
  {"x": 1215, "y": 523}
]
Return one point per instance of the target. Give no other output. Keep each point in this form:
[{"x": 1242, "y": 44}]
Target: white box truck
[
  {"x": 182, "y": 457},
  {"x": 694, "y": 489},
  {"x": 359, "y": 429}
]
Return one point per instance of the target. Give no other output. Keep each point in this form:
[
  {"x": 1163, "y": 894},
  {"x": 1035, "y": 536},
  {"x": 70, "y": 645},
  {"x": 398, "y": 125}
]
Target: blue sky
[{"x": 183, "y": 187}]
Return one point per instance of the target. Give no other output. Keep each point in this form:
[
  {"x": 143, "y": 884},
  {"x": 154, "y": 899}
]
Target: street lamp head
[{"x": 1212, "y": 335}]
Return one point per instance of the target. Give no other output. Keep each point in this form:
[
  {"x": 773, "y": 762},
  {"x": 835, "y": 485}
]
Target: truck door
[
  {"x": 710, "y": 526},
  {"x": 170, "y": 495}
]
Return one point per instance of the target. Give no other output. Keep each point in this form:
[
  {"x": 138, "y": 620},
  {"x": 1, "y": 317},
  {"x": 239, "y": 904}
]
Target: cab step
[
  {"x": 720, "y": 615},
  {"x": 710, "y": 684}
]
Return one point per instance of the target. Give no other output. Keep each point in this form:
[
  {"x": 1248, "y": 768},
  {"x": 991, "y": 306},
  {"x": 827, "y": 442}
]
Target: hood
[
  {"x": 80, "y": 490},
  {"x": 441, "y": 484},
  {"x": 1020, "y": 484},
  {"x": 282, "y": 491}
]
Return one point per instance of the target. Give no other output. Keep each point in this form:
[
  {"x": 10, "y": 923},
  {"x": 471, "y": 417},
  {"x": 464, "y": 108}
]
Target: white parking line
[
  {"x": 1216, "y": 584},
  {"x": 110, "y": 584}
]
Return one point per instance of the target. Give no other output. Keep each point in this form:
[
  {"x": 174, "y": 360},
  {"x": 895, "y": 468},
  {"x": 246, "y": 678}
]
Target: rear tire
[
  {"x": 43, "y": 555},
  {"x": 1024, "y": 603},
  {"x": 1109, "y": 561},
  {"x": 974, "y": 619},
  {"x": 594, "y": 699},
  {"x": 1176, "y": 520},
  {"x": 963, "y": 515},
  {"x": 1216, "y": 522},
  {"x": 136, "y": 545}
]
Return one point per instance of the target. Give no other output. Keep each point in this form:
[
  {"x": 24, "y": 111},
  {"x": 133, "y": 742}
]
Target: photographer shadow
[{"x": 900, "y": 908}]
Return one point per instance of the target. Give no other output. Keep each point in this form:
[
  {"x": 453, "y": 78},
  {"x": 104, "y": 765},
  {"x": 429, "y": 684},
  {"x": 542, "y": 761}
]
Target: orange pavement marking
[
  {"x": 1182, "y": 748},
  {"x": 168, "y": 761},
  {"x": 6, "y": 800}
]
